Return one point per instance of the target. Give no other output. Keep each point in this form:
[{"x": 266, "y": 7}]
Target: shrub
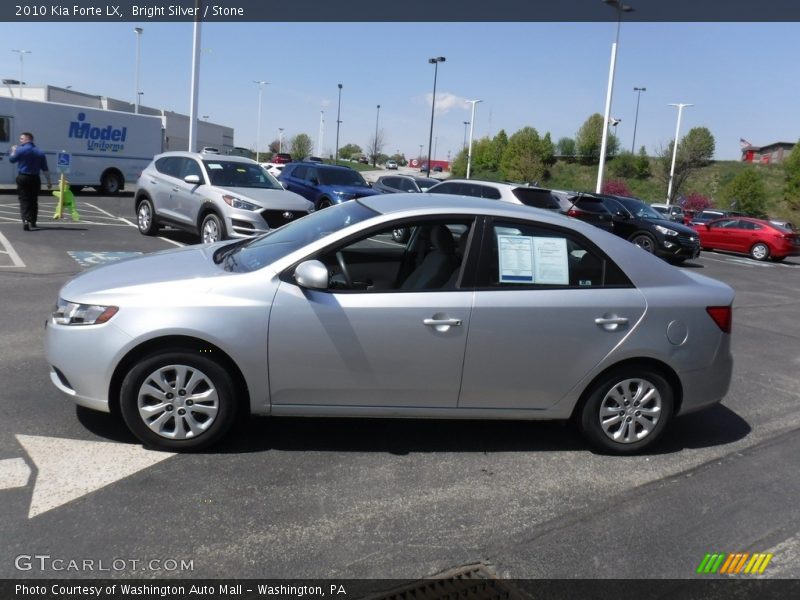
[{"x": 617, "y": 187}]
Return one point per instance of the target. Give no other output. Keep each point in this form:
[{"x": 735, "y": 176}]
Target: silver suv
[{"x": 215, "y": 196}]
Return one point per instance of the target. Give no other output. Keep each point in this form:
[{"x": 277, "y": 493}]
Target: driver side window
[{"x": 428, "y": 255}]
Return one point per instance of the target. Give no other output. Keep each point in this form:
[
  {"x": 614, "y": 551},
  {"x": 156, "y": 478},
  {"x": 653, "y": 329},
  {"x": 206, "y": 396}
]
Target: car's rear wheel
[
  {"x": 111, "y": 183},
  {"x": 626, "y": 410},
  {"x": 760, "y": 251},
  {"x": 212, "y": 229},
  {"x": 178, "y": 400},
  {"x": 146, "y": 217},
  {"x": 324, "y": 203},
  {"x": 645, "y": 242}
]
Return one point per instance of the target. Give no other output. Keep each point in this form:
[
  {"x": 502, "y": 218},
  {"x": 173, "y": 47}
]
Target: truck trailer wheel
[{"x": 111, "y": 183}]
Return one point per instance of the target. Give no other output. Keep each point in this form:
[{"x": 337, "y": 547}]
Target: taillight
[
  {"x": 722, "y": 315},
  {"x": 574, "y": 212}
]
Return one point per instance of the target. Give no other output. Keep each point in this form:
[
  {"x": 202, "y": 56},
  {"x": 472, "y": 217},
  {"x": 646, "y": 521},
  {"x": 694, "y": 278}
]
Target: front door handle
[
  {"x": 442, "y": 324},
  {"x": 611, "y": 322}
]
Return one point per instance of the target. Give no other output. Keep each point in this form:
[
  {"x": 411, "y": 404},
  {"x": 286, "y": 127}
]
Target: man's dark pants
[{"x": 28, "y": 187}]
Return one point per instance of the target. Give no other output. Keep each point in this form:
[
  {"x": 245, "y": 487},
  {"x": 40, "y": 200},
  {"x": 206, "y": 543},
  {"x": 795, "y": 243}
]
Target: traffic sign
[{"x": 64, "y": 159}]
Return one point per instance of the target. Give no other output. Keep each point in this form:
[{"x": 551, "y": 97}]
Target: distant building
[
  {"x": 176, "y": 125},
  {"x": 774, "y": 153}
]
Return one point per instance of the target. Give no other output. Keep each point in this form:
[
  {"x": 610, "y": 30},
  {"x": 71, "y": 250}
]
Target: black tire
[
  {"x": 760, "y": 251},
  {"x": 645, "y": 241},
  {"x": 324, "y": 203},
  {"x": 640, "y": 425},
  {"x": 111, "y": 183},
  {"x": 212, "y": 229},
  {"x": 191, "y": 420},
  {"x": 400, "y": 235},
  {"x": 146, "y": 219}
]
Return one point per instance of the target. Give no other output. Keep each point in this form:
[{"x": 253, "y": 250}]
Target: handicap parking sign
[{"x": 63, "y": 162}]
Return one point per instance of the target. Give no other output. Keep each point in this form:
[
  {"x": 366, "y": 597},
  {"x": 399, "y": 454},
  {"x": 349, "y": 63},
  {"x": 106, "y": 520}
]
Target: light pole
[
  {"x": 338, "y": 122},
  {"x": 22, "y": 54},
  {"x": 620, "y": 8},
  {"x": 464, "y": 145},
  {"x": 675, "y": 149},
  {"x": 435, "y": 62},
  {"x": 375, "y": 145},
  {"x": 471, "y": 129},
  {"x": 321, "y": 132},
  {"x": 261, "y": 85},
  {"x": 421, "y": 146},
  {"x": 138, "y": 31},
  {"x": 280, "y": 139},
  {"x": 638, "y": 91},
  {"x": 195, "y": 88}
]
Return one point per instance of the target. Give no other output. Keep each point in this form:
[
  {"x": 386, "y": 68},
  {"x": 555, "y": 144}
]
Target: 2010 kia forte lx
[{"x": 487, "y": 311}]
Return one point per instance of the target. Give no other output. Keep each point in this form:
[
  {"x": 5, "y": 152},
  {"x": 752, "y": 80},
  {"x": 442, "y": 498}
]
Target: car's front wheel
[
  {"x": 177, "y": 400},
  {"x": 760, "y": 251},
  {"x": 626, "y": 410},
  {"x": 645, "y": 242},
  {"x": 146, "y": 217},
  {"x": 212, "y": 229}
]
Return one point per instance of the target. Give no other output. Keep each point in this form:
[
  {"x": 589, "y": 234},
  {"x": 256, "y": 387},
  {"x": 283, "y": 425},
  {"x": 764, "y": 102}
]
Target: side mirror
[
  {"x": 311, "y": 274},
  {"x": 192, "y": 179}
]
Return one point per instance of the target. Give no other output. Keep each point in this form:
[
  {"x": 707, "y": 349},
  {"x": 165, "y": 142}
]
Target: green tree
[
  {"x": 565, "y": 148},
  {"x": 746, "y": 193},
  {"x": 642, "y": 164},
  {"x": 623, "y": 165},
  {"x": 523, "y": 158},
  {"x": 695, "y": 150},
  {"x": 350, "y": 150},
  {"x": 791, "y": 190},
  {"x": 301, "y": 146},
  {"x": 590, "y": 138}
]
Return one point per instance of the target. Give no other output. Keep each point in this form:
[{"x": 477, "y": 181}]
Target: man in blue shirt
[{"x": 31, "y": 162}]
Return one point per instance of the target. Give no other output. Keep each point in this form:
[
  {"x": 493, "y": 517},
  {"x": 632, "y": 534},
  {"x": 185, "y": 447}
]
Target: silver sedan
[{"x": 487, "y": 311}]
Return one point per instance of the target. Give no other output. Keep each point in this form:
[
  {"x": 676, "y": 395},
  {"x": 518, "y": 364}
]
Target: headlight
[
  {"x": 665, "y": 230},
  {"x": 239, "y": 203},
  {"x": 72, "y": 313}
]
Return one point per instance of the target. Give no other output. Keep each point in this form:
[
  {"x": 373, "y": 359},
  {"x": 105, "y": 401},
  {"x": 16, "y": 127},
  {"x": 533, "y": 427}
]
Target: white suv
[{"x": 215, "y": 196}]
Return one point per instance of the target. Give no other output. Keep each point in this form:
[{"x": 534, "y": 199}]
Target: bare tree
[{"x": 375, "y": 145}]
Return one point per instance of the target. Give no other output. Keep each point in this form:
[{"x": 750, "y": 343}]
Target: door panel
[
  {"x": 528, "y": 348},
  {"x": 366, "y": 349}
]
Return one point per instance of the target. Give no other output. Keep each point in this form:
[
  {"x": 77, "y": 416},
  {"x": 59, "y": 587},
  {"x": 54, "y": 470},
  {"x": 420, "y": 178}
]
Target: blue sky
[{"x": 741, "y": 77}]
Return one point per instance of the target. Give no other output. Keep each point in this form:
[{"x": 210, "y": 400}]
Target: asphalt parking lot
[{"x": 385, "y": 499}]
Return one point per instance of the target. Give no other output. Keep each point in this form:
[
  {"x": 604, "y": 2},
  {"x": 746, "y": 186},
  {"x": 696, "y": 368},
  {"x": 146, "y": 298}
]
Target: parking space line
[
  {"x": 12, "y": 254},
  {"x": 124, "y": 220}
]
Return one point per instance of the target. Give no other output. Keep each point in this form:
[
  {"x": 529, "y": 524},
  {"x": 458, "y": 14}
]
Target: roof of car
[{"x": 206, "y": 156}]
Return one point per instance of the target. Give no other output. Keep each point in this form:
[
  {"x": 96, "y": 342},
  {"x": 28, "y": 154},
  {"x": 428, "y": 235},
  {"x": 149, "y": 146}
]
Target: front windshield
[
  {"x": 641, "y": 210},
  {"x": 278, "y": 243},
  {"x": 341, "y": 177},
  {"x": 234, "y": 174}
]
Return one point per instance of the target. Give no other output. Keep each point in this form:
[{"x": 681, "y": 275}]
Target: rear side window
[
  {"x": 170, "y": 165},
  {"x": 590, "y": 205},
  {"x": 530, "y": 255},
  {"x": 536, "y": 198},
  {"x": 298, "y": 171}
]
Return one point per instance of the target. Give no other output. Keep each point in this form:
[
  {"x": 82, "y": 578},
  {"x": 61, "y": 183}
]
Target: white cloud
[{"x": 446, "y": 101}]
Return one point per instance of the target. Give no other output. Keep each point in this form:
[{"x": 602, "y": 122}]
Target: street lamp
[
  {"x": 636, "y": 120},
  {"x": 280, "y": 139},
  {"x": 22, "y": 54},
  {"x": 375, "y": 145},
  {"x": 471, "y": 129},
  {"x": 675, "y": 149},
  {"x": 338, "y": 122},
  {"x": 620, "y": 8},
  {"x": 321, "y": 132},
  {"x": 261, "y": 85},
  {"x": 435, "y": 62},
  {"x": 138, "y": 31},
  {"x": 421, "y": 146},
  {"x": 464, "y": 145}
]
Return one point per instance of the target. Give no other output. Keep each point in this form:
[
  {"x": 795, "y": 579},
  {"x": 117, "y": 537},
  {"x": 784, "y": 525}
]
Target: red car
[
  {"x": 760, "y": 239},
  {"x": 281, "y": 158}
]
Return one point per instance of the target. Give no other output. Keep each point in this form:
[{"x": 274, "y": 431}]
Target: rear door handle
[{"x": 611, "y": 323}]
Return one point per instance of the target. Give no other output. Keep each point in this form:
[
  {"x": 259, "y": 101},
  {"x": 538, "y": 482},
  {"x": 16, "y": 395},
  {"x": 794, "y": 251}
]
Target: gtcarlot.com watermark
[{"x": 47, "y": 562}]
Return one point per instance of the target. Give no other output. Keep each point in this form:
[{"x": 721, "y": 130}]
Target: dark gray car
[{"x": 392, "y": 184}]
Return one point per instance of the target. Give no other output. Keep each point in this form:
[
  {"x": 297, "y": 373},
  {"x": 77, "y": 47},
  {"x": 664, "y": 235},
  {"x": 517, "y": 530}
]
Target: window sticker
[
  {"x": 516, "y": 258},
  {"x": 550, "y": 261},
  {"x": 527, "y": 259}
]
